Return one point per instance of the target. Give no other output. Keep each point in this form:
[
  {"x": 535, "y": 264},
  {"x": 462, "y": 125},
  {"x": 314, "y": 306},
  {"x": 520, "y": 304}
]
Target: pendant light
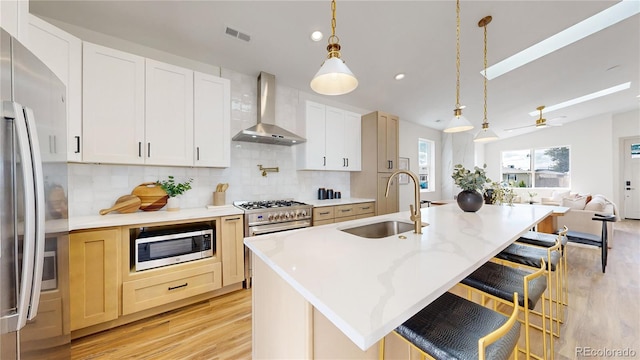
[
  {"x": 458, "y": 123},
  {"x": 334, "y": 77},
  {"x": 485, "y": 134}
]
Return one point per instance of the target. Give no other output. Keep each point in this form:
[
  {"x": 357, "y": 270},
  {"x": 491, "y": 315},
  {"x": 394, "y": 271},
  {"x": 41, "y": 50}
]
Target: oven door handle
[{"x": 267, "y": 229}]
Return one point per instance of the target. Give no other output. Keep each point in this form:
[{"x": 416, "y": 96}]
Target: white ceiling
[{"x": 382, "y": 38}]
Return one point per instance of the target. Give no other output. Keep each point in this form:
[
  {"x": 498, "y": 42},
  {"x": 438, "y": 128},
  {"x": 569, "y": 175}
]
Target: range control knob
[{"x": 270, "y": 217}]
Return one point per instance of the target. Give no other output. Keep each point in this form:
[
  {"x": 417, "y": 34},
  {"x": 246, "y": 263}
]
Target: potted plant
[
  {"x": 502, "y": 193},
  {"x": 531, "y": 195},
  {"x": 472, "y": 184},
  {"x": 174, "y": 189}
]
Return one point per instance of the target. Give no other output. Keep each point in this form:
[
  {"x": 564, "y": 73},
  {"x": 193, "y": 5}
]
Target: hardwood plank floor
[{"x": 603, "y": 314}]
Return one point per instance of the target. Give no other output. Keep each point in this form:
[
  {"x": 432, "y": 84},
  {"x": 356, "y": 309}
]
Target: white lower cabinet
[{"x": 333, "y": 138}]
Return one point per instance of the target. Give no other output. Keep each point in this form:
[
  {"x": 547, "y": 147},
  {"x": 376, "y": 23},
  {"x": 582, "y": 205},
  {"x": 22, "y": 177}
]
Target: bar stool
[
  {"x": 498, "y": 282},
  {"x": 452, "y": 327},
  {"x": 593, "y": 240},
  {"x": 545, "y": 240},
  {"x": 519, "y": 255}
]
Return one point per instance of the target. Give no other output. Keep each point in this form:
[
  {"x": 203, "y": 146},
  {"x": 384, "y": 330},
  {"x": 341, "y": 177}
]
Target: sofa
[{"x": 583, "y": 209}]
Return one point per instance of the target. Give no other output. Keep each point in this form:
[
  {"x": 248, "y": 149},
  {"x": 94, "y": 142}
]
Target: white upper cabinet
[
  {"x": 168, "y": 114},
  {"x": 353, "y": 141},
  {"x": 113, "y": 106},
  {"x": 14, "y": 18},
  {"x": 62, "y": 53},
  {"x": 311, "y": 154},
  {"x": 212, "y": 121},
  {"x": 333, "y": 139}
]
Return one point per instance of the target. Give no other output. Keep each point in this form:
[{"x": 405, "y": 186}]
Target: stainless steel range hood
[{"x": 266, "y": 131}]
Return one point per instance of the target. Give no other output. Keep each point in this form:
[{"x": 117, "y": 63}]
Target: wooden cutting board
[{"x": 125, "y": 204}]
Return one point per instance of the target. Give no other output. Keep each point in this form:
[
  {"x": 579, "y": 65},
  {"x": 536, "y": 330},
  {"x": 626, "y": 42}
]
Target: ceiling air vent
[{"x": 237, "y": 34}]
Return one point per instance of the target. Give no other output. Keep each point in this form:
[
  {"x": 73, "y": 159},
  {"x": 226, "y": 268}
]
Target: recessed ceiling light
[
  {"x": 399, "y": 76},
  {"x": 316, "y": 35},
  {"x": 589, "y": 26},
  {"x": 581, "y": 99}
]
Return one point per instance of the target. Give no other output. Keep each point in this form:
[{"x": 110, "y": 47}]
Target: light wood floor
[{"x": 603, "y": 314}]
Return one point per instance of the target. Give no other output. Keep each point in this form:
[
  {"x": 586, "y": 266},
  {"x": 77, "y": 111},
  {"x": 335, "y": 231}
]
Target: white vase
[{"x": 173, "y": 204}]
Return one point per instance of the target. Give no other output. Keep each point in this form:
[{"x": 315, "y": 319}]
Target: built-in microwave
[{"x": 157, "y": 248}]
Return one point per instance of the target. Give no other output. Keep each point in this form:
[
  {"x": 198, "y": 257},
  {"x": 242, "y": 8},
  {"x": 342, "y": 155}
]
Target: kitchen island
[{"x": 323, "y": 293}]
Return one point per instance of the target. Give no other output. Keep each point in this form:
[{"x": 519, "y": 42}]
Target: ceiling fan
[{"x": 540, "y": 122}]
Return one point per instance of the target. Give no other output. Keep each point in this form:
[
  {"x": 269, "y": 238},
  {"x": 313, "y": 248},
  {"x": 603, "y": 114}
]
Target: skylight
[
  {"x": 584, "y": 98},
  {"x": 610, "y": 16}
]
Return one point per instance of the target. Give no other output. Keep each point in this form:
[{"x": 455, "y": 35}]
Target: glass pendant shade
[
  {"x": 458, "y": 123},
  {"x": 334, "y": 78}
]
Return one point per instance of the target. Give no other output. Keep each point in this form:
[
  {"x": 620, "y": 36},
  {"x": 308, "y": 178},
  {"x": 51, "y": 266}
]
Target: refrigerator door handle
[
  {"x": 38, "y": 179},
  {"x": 28, "y": 249}
]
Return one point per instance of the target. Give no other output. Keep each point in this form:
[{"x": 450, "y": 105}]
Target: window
[
  {"x": 547, "y": 167},
  {"x": 426, "y": 164}
]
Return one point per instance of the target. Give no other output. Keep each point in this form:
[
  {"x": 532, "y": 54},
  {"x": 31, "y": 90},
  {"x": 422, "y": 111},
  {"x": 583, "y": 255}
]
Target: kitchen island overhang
[{"x": 367, "y": 287}]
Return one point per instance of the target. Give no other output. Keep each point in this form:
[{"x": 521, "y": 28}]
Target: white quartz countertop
[
  {"x": 367, "y": 287},
  {"x": 334, "y": 202},
  {"x": 146, "y": 217}
]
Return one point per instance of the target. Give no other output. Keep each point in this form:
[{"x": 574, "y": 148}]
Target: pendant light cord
[
  {"x": 333, "y": 18},
  {"x": 485, "y": 74},
  {"x": 457, "y": 54}
]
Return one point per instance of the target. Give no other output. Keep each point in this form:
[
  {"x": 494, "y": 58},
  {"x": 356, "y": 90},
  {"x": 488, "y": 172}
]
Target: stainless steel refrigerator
[{"x": 34, "y": 242}]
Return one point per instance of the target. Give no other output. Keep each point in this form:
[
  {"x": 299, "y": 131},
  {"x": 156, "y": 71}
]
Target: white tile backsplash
[{"x": 97, "y": 186}]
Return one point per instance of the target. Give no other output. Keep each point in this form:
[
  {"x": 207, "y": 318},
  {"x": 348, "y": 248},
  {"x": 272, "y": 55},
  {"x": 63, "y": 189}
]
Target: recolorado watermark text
[{"x": 589, "y": 352}]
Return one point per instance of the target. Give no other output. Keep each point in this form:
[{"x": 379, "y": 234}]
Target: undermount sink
[{"x": 380, "y": 230}]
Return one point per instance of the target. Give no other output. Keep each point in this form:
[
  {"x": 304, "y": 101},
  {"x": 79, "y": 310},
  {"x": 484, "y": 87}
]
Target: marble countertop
[
  {"x": 367, "y": 287},
  {"x": 145, "y": 217}
]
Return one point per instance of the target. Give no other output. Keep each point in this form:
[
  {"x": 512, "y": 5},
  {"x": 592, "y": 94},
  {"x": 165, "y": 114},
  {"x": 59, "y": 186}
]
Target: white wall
[
  {"x": 594, "y": 148},
  {"x": 409, "y": 133}
]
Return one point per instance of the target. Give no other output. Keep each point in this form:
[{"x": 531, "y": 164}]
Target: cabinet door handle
[
  {"x": 139, "y": 148},
  {"x": 198, "y": 153},
  {"x": 232, "y": 219},
  {"x": 347, "y": 162},
  {"x": 77, "y": 144},
  {"x": 149, "y": 149},
  {"x": 324, "y": 161},
  {"x": 177, "y": 287},
  {"x": 55, "y": 145}
]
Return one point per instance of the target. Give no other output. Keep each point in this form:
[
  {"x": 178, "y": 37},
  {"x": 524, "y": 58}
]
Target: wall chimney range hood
[{"x": 266, "y": 131}]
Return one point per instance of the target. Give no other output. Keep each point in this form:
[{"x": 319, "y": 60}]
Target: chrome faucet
[{"x": 416, "y": 216}]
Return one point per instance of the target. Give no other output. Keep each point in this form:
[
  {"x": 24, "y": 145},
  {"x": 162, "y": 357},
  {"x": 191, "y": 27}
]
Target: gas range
[
  {"x": 288, "y": 214},
  {"x": 270, "y": 216}
]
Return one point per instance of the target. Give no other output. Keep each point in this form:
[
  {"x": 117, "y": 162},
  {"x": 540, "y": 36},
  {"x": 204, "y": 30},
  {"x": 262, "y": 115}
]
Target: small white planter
[{"x": 173, "y": 203}]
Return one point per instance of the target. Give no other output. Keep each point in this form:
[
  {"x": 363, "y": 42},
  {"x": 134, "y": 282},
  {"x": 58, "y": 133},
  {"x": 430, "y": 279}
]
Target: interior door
[{"x": 632, "y": 178}]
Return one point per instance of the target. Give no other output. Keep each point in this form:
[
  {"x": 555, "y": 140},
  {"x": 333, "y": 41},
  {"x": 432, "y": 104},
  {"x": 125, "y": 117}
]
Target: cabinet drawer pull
[
  {"x": 366, "y": 208},
  {"x": 177, "y": 287},
  {"x": 323, "y": 213},
  {"x": 347, "y": 210},
  {"x": 232, "y": 219},
  {"x": 77, "y": 144}
]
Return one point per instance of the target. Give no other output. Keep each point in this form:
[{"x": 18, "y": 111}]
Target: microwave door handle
[
  {"x": 38, "y": 179},
  {"x": 28, "y": 249}
]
